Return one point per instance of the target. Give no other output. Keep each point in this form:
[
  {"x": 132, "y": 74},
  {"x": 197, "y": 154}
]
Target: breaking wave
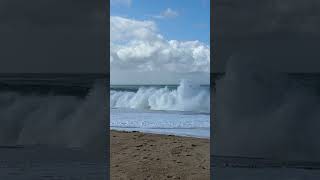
[
  {"x": 187, "y": 97},
  {"x": 66, "y": 121},
  {"x": 261, "y": 112}
]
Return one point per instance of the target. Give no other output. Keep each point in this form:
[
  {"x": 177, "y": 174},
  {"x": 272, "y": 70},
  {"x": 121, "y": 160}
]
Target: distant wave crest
[{"x": 187, "y": 97}]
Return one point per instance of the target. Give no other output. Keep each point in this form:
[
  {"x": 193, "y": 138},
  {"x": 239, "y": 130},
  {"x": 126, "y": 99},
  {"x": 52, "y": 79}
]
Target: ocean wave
[
  {"x": 262, "y": 112},
  {"x": 187, "y": 97},
  {"x": 58, "y": 120}
]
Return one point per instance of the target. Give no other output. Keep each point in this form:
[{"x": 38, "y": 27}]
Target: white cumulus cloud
[
  {"x": 138, "y": 46},
  {"x": 168, "y": 13}
]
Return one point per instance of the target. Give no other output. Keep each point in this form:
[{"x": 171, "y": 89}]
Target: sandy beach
[{"x": 136, "y": 155}]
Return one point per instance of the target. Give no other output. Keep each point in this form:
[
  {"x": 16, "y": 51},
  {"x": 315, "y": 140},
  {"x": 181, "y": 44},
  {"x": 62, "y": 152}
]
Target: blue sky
[
  {"x": 191, "y": 21},
  {"x": 159, "y": 41}
]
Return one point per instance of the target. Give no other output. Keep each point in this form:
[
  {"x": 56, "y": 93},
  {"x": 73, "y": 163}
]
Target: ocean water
[{"x": 182, "y": 110}]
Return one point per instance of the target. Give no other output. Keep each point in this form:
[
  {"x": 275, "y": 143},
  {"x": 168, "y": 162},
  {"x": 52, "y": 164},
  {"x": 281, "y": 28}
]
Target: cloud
[
  {"x": 168, "y": 13},
  {"x": 123, "y": 29},
  {"x": 122, "y": 2},
  {"x": 138, "y": 46}
]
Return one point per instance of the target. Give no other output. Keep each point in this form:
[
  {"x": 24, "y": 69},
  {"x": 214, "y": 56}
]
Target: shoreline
[
  {"x": 159, "y": 133},
  {"x": 137, "y": 155}
]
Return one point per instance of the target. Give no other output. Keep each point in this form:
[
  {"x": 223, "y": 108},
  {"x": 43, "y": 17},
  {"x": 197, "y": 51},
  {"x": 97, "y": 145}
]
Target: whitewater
[
  {"x": 53, "y": 128},
  {"x": 165, "y": 109}
]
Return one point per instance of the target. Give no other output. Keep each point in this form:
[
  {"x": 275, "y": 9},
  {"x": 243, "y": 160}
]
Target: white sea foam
[
  {"x": 187, "y": 97},
  {"x": 163, "y": 122}
]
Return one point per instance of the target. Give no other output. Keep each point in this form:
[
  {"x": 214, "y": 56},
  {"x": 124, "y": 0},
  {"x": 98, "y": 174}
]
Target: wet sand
[{"x": 141, "y": 156}]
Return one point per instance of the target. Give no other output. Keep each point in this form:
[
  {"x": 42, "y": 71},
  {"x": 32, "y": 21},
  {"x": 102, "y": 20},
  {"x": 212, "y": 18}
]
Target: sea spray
[
  {"x": 188, "y": 96},
  {"x": 263, "y": 113},
  {"x": 66, "y": 121}
]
